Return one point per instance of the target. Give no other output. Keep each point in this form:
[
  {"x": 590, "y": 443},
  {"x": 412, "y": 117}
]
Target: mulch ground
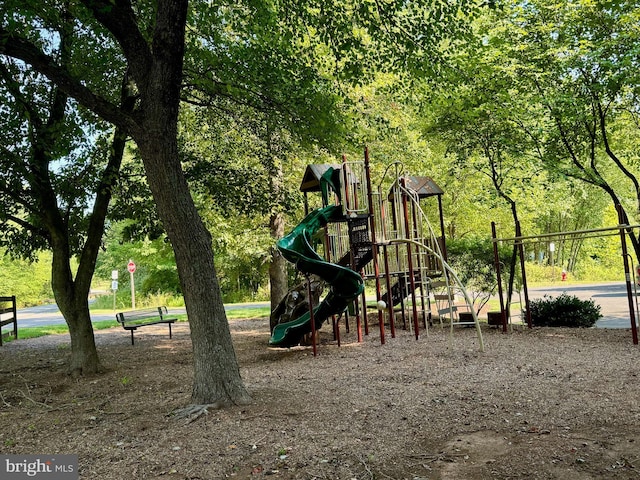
[{"x": 537, "y": 404}]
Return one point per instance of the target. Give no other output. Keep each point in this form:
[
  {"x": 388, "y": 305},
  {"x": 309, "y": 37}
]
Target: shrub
[
  {"x": 473, "y": 261},
  {"x": 564, "y": 311}
]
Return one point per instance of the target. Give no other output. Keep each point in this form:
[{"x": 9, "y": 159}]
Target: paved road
[{"x": 44, "y": 315}]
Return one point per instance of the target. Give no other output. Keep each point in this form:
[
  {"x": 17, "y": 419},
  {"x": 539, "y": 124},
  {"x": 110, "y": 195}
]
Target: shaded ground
[{"x": 538, "y": 404}]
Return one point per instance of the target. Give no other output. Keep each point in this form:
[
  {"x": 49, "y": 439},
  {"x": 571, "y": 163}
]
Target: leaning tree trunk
[
  {"x": 278, "y": 284},
  {"x": 156, "y": 70},
  {"x": 495, "y": 178},
  {"x": 217, "y": 378},
  {"x": 623, "y": 218},
  {"x": 72, "y": 296},
  {"x": 514, "y": 254}
]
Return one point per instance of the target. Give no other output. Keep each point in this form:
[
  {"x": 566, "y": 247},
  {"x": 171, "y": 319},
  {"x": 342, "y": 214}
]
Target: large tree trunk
[
  {"x": 155, "y": 70},
  {"x": 72, "y": 295},
  {"x": 217, "y": 380},
  {"x": 278, "y": 266},
  {"x": 84, "y": 355},
  {"x": 216, "y": 374},
  {"x": 155, "y": 74},
  {"x": 72, "y": 300}
]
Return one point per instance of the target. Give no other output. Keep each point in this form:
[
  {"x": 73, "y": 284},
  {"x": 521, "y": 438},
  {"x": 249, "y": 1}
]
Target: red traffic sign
[{"x": 131, "y": 267}]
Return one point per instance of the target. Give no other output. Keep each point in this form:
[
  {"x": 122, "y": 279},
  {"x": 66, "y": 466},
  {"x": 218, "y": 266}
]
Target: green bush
[{"x": 564, "y": 311}]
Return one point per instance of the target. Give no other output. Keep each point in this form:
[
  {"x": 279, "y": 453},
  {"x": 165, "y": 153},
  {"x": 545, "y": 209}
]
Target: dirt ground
[{"x": 537, "y": 404}]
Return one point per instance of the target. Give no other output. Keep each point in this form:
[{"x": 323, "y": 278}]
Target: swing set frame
[{"x": 519, "y": 241}]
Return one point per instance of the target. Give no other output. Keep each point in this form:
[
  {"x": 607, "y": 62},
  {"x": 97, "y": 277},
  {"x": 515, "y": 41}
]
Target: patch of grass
[
  {"x": 34, "y": 332},
  {"x": 248, "y": 313}
]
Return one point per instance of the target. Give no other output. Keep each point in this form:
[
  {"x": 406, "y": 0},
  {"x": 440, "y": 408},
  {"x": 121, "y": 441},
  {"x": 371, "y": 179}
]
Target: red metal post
[
  {"x": 346, "y": 184},
  {"x": 496, "y": 257},
  {"x": 444, "y": 243},
  {"x": 366, "y": 317},
  {"x": 421, "y": 268},
  {"x": 374, "y": 244},
  {"x": 395, "y": 222},
  {"x": 345, "y": 179},
  {"x": 525, "y": 288},
  {"x": 387, "y": 274},
  {"x": 311, "y": 317},
  {"x": 412, "y": 280},
  {"x": 355, "y": 206},
  {"x": 391, "y": 313},
  {"x": 334, "y": 321}
]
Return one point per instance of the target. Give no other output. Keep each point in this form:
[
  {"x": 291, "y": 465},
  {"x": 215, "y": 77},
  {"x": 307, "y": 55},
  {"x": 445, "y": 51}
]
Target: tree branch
[
  {"x": 605, "y": 139},
  {"x": 28, "y": 226},
  {"x": 104, "y": 192},
  {"x": 118, "y": 17},
  {"x": 22, "y": 49}
]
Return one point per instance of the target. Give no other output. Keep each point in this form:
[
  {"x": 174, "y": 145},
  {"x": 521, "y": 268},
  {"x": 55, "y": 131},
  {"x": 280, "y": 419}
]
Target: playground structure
[{"x": 380, "y": 235}]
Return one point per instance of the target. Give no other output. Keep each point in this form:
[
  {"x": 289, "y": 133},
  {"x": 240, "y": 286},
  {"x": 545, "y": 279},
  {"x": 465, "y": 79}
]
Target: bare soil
[{"x": 537, "y": 404}]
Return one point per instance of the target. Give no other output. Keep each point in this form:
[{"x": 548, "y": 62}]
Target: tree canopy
[{"x": 284, "y": 68}]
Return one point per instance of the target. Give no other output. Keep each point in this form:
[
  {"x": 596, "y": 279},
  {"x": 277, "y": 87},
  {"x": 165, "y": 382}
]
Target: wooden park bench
[
  {"x": 134, "y": 319},
  {"x": 8, "y": 315}
]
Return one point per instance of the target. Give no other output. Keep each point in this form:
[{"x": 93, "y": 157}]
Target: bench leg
[
  {"x": 132, "y": 337},
  {"x": 169, "y": 330}
]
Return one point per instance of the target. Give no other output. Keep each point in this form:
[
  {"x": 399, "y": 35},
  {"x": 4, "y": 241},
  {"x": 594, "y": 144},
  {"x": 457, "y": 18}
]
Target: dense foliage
[
  {"x": 29, "y": 281},
  {"x": 473, "y": 260},
  {"x": 564, "y": 311},
  {"x": 534, "y": 108}
]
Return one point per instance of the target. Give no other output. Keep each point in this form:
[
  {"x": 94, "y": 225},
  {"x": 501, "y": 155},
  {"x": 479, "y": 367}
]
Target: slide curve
[{"x": 345, "y": 284}]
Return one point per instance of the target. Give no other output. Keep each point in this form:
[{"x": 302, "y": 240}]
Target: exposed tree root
[{"x": 192, "y": 412}]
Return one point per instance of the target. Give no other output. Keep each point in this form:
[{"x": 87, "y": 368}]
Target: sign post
[
  {"x": 132, "y": 268},
  {"x": 114, "y": 286}
]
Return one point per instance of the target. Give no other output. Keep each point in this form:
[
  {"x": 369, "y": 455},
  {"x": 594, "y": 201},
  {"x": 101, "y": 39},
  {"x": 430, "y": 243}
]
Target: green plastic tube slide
[{"x": 344, "y": 284}]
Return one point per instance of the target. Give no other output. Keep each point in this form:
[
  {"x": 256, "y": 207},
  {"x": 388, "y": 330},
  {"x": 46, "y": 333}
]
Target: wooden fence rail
[{"x": 8, "y": 316}]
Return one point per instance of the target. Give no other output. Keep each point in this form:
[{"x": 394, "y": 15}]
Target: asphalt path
[{"x": 612, "y": 298}]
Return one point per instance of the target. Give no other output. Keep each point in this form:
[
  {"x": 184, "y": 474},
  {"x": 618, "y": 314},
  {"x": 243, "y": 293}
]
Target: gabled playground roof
[
  {"x": 423, "y": 186},
  {"x": 313, "y": 173}
]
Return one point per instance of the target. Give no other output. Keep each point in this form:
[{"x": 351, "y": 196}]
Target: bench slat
[
  {"x": 443, "y": 311},
  {"x": 128, "y": 325}
]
